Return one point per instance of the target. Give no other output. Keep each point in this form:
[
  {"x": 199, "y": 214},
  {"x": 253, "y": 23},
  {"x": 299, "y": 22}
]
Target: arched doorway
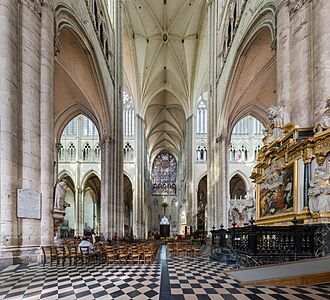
[
  {"x": 237, "y": 187},
  {"x": 237, "y": 213},
  {"x": 91, "y": 207},
  {"x": 69, "y": 224},
  {"x": 79, "y": 152},
  {"x": 128, "y": 206},
  {"x": 245, "y": 144},
  {"x": 202, "y": 207}
]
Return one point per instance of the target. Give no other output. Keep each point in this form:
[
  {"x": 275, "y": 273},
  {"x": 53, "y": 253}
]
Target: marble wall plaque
[{"x": 28, "y": 204}]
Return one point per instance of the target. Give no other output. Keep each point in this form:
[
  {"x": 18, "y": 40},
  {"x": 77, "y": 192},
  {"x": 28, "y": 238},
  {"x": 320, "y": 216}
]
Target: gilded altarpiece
[{"x": 276, "y": 174}]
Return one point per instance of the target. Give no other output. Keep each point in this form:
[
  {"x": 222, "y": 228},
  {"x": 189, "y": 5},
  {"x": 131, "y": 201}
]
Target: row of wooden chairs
[
  {"x": 62, "y": 253},
  {"x": 182, "y": 248},
  {"x": 121, "y": 253},
  {"x": 132, "y": 253}
]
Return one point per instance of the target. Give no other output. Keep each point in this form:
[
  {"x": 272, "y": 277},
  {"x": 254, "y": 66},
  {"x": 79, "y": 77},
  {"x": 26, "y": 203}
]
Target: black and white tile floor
[{"x": 168, "y": 278}]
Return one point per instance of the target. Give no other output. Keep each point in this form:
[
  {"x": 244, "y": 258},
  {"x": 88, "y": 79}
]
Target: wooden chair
[
  {"x": 73, "y": 253},
  {"x": 123, "y": 254},
  {"x": 147, "y": 256},
  {"x": 135, "y": 255},
  {"x": 49, "y": 252},
  {"x": 110, "y": 254},
  {"x": 196, "y": 250},
  {"x": 86, "y": 253},
  {"x": 101, "y": 253},
  {"x": 178, "y": 250},
  {"x": 169, "y": 248},
  {"x": 60, "y": 254}
]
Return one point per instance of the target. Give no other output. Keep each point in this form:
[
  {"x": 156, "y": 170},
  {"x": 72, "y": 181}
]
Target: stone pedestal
[{"x": 58, "y": 217}]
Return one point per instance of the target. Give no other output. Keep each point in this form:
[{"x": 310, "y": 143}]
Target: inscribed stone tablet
[{"x": 28, "y": 204}]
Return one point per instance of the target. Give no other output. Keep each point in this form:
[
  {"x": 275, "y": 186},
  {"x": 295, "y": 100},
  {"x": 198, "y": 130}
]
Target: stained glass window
[
  {"x": 164, "y": 170},
  {"x": 89, "y": 129},
  {"x": 128, "y": 115},
  {"x": 201, "y": 127}
]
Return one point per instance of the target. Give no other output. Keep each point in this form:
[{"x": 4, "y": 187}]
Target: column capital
[
  {"x": 58, "y": 146},
  {"x": 48, "y": 4},
  {"x": 139, "y": 117},
  {"x": 222, "y": 138},
  {"x": 33, "y": 5},
  {"x": 106, "y": 139},
  {"x": 210, "y": 2},
  {"x": 296, "y": 5},
  {"x": 57, "y": 43},
  {"x": 281, "y": 3}
]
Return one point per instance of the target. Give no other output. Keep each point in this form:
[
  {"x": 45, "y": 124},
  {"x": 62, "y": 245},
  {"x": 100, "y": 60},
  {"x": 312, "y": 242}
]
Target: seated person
[
  {"x": 86, "y": 243},
  {"x": 115, "y": 237}
]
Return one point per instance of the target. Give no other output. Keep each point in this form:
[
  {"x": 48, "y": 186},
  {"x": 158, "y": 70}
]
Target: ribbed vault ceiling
[{"x": 169, "y": 41}]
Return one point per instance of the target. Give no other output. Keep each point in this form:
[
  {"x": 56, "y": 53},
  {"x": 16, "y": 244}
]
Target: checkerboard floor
[
  {"x": 81, "y": 282},
  {"x": 189, "y": 278},
  {"x": 202, "y": 278}
]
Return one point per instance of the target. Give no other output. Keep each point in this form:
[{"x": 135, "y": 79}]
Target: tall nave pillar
[
  {"x": 27, "y": 127},
  {"x": 321, "y": 56},
  {"x": 303, "y": 67},
  {"x": 189, "y": 170},
  {"x": 222, "y": 184},
  {"x": 300, "y": 58},
  {"x": 30, "y": 34},
  {"x": 9, "y": 118},
  {"x": 214, "y": 203},
  {"x": 283, "y": 91},
  {"x": 112, "y": 199},
  {"x": 47, "y": 120},
  {"x": 140, "y": 212},
  {"x": 111, "y": 188}
]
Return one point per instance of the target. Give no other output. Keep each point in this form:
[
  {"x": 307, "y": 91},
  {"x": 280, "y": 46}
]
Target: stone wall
[{"x": 27, "y": 134}]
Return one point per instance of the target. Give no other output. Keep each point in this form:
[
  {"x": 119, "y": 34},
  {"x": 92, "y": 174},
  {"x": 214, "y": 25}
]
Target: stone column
[
  {"x": 112, "y": 200},
  {"x": 138, "y": 197},
  {"x": 321, "y": 56},
  {"x": 221, "y": 184},
  {"x": 300, "y": 57},
  {"x": 105, "y": 186},
  {"x": 212, "y": 115},
  {"x": 189, "y": 171},
  {"x": 79, "y": 212},
  {"x": 111, "y": 189},
  {"x": 47, "y": 120},
  {"x": 118, "y": 175},
  {"x": 283, "y": 83},
  {"x": 9, "y": 118},
  {"x": 30, "y": 12}
]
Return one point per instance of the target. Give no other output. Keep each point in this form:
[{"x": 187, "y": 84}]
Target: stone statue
[
  {"x": 59, "y": 197},
  {"x": 319, "y": 191},
  {"x": 275, "y": 116},
  {"x": 250, "y": 203},
  {"x": 324, "y": 122}
]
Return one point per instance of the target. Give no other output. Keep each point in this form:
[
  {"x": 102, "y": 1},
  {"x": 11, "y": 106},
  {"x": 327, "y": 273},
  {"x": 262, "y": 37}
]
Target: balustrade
[{"x": 255, "y": 245}]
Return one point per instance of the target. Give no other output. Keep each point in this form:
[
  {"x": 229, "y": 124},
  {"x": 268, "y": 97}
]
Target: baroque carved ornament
[{"x": 33, "y": 5}]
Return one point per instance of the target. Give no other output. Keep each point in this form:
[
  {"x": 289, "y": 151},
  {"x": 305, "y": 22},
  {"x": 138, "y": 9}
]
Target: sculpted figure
[
  {"x": 59, "y": 198},
  {"x": 324, "y": 122},
  {"x": 319, "y": 191},
  {"x": 275, "y": 116},
  {"x": 250, "y": 204}
]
